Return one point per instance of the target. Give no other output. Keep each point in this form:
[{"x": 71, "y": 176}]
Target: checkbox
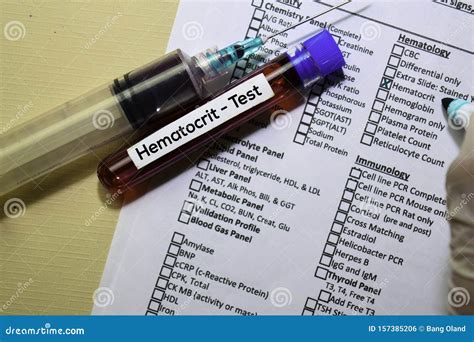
[
  {"x": 321, "y": 273},
  {"x": 313, "y": 99},
  {"x": 177, "y": 238},
  {"x": 367, "y": 139},
  {"x": 255, "y": 24},
  {"x": 351, "y": 184},
  {"x": 154, "y": 305},
  {"x": 325, "y": 260},
  {"x": 173, "y": 250},
  {"x": 378, "y": 105},
  {"x": 252, "y": 33},
  {"x": 329, "y": 250},
  {"x": 310, "y": 303},
  {"x": 333, "y": 238},
  {"x": 170, "y": 260},
  {"x": 303, "y": 129},
  {"x": 375, "y": 117},
  {"x": 299, "y": 138},
  {"x": 341, "y": 217},
  {"x": 370, "y": 128},
  {"x": 188, "y": 207},
  {"x": 382, "y": 94},
  {"x": 158, "y": 294},
  {"x": 195, "y": 185},
  {"x": 348, "y": 195},
  {"x": 355, "y": 173},
  {"x": 394, "y": 61},
  {"x": 184, "y": 217},
  {"x": 150, "y": 313},
  {"x": 397, "y": 50},
  {"x": 310, "y": 109},
  {"x": 324, "y": 296},
  {"x": 259, "y": 14},
  {"x": 390, "y": 72},
  {"x": 166, "y": 272},
  {"x": 336, "y": 38},
  {"x": 203, "y": 164},
  {"x": 307, "y": 312},
  {"x": 344, "y": 206},
  {"x": 257, "y": 3},
  {"x": 306, "y": 119},
  {"x": 318, "y": 89},
  {"x": 162, "y": 283},
  {"x": 337, "y": 228},
  {"x": 386, "y": 83}
]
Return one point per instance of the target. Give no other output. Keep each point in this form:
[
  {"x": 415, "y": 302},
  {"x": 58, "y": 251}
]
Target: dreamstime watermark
[
  {"x": 14, "y": 208},
  {"x": 281, "y": 119},
  {"x": 370, "y": 30},
  {"x": 103, "y": 296},
  {"x": 112, "y": 21},
  {"x": 22, "y": 110},
  {"x": 192, "y": 30},
  {"x": 14, "y": 30},
  {"x": 111, "y": 198},
  {"x": 458, "y": 297},
  {"x": 47, "y": 329},
  {"x": 103, "y": 119},
  {"x": 369, "y": 205},
  {"x": 465, "y": 199},
  {"x": 21, "y": 288},
  {"x": 460, "y": 121},
  {"x": 280, "y": 297}
]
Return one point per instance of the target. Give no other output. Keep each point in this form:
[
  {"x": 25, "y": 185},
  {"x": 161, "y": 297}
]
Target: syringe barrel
[{"x": 152, "y": 95}]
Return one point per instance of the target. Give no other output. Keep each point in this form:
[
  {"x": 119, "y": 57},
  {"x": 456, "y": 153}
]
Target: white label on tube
[{"x": 201, "y": 120}]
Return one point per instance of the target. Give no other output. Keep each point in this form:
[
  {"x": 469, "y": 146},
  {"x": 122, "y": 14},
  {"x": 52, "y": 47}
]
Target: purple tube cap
[{"x": 325, "y": 52}]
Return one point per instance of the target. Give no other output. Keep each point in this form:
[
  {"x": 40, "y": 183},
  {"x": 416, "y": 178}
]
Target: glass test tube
[{"x": 287, "y": 74}]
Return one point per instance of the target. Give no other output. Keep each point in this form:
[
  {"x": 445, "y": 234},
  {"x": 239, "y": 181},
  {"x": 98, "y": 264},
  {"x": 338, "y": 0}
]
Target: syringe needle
[{"x": 265, "y": 39}]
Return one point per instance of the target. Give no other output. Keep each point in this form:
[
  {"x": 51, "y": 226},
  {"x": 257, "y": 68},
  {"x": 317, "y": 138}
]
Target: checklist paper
[{"x": 335, "y": 207}]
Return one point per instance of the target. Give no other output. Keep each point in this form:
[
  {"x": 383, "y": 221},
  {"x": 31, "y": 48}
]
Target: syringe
[{"x": 150, "y": 97}]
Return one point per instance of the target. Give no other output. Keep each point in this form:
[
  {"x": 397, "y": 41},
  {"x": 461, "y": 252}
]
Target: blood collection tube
[
  {"x": 150, "y": 96},
  {"x": 286, "y": 75}
]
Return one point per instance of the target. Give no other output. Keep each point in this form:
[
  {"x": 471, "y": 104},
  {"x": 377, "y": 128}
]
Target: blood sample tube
[{"x": 287, "y": 74}]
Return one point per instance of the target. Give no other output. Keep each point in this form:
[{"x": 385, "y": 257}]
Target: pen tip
[{"x": 446, "y": 101}]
